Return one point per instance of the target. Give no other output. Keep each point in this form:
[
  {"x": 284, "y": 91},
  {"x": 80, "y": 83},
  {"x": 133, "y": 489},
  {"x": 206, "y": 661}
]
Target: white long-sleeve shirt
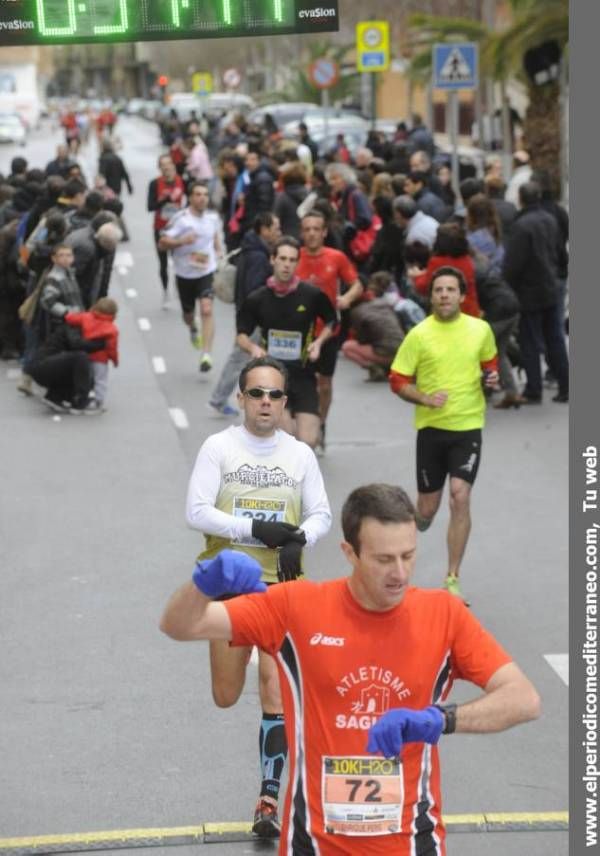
[{"x": 235, "y": 459}]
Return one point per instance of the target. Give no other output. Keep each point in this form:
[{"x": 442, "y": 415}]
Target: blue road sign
[{"x": 455, "y": 65}]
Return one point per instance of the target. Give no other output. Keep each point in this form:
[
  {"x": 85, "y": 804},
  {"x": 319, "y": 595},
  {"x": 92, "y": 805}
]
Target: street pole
[
  {"x": 453, "y": 97},
  {"x": 325, "y": 105},
  {"x": 373, "y": 99}
]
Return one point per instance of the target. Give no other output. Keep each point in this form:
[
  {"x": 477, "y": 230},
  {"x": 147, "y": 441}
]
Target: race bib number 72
[{"x": 362, "y": 795}]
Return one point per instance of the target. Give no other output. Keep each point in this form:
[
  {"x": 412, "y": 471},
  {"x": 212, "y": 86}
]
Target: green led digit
[
  {"x": 227, "y": 12},
  {"x": 116, "y": 27},
  {"x": 55, "y": 9},
  {"x": 185, "y": 4},
  {"x": 277, "y": 10}
]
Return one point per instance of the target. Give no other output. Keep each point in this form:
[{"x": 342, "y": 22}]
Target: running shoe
[
  {"x": 25, "y": 384},
  {"x": 451, "y": 584},
  {"x": 266, "y": 823},
  {"x": 206, "y": 363},
  {"x": 423, "y": 523},
  {"x": 226, "y": 410},
  {"x": 195, "y": 338}
]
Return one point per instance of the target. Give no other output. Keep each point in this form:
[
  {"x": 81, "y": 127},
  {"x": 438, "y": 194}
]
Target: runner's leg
[
  {"x": 460, "y": 523},
  {"x": 308, "y": 428},
  {"x": 272, "y": 747},
  {"x": 227, "y": 672},
  {"x": 207, "y": 323}
]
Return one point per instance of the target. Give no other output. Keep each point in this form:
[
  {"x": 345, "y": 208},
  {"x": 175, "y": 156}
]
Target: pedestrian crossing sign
[{"x": 455, "y": 65}]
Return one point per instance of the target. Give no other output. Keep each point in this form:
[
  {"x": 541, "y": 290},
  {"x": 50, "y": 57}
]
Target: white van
[{"x": 19, "y": 92}]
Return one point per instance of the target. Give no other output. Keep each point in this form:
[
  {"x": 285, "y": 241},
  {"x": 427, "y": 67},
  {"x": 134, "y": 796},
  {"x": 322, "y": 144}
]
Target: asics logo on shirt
[
  {"x": 333, "y": 641},
  {"x": 301, "y": 308}
]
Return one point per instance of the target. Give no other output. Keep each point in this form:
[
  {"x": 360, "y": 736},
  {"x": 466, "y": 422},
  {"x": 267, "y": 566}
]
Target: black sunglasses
[{"x": 258, "y": 392}]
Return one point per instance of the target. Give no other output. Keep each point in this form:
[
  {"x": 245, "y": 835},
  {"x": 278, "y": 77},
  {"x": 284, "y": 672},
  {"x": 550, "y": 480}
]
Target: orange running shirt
[
  {"x": 326, "y": 269},
  {"x": 340, "y": 668}
]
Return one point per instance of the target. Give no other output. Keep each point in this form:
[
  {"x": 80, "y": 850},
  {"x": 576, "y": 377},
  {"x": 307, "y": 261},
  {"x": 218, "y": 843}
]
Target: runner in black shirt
[{"x": 285, "y": 309}]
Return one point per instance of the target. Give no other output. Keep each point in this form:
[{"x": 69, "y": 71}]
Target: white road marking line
[
  {"x": 124, "y": 259},
  {"x": 254, "y": 657},
  {"x": 560, "y": 664},
  {"x": 13, "y": 374},
  {"x": 144, "y": 324},
  {"x": 123, "y": 271},
  {"x": 160, "y": 367},
  {"x": 131, "y": 292},
  {"x": 179, "y": 418}
]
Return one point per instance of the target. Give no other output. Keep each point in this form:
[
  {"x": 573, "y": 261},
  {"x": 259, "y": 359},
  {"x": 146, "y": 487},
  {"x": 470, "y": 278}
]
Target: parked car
[
  {"x": 284, "y": 113},
  {"x": 12, "y": 129}
]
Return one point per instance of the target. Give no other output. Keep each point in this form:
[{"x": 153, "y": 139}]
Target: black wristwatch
[{"x": 449, "y": 711}]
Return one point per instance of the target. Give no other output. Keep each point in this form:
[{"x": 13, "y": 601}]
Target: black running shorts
[
  {"x": 302, "y": 393},
  {"x": 326, "y": 363},
  {"x": 191, "y": 290},
  {"x": 442, "y": 453}
]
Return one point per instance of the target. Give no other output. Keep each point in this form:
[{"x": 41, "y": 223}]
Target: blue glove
[
  {"x": 228, "y": 572},
  {"x": 400, "y": 726}
]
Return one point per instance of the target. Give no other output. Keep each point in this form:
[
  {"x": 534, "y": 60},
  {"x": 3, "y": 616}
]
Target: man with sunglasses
[
  {"x": 258, "y": 490},
  {"x": 286, "y": 311}
]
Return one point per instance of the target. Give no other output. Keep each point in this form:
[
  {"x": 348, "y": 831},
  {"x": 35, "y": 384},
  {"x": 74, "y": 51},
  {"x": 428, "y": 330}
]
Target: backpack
[{"x": 224, "y": 277}]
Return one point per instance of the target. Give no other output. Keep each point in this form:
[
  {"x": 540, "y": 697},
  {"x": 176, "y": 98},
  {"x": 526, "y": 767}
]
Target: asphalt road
[{"x": 106, "y": 724}]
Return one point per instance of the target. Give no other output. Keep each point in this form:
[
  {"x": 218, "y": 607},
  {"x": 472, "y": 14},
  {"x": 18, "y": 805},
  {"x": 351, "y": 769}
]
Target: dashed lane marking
[
  {"x": 218, "y": 833},
  {"x": 179, "y": 418},
  {"x": 13, "y": 374},
  {"x": 123, "y": 259},
  {"x": 131, "y": 292},
  {"x": 144, "y": 324},
  {"x": 159, "y": 365},
  {"x": 560, "y": 664}
]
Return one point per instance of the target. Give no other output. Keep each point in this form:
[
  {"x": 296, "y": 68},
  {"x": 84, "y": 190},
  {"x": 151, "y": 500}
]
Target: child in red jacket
[{"x": 99, "y": 323}]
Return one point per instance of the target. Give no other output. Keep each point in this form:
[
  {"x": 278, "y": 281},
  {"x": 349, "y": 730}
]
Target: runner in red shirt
[
  {"x": 329, "y": 270},
  {"x": 366, "y": 665}
]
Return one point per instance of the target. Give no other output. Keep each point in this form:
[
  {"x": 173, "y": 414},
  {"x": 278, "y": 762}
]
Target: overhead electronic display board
[{"x": 42, "y": 22}]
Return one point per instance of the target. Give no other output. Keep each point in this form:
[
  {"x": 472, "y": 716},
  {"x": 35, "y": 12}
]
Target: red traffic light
[{"x": 163, "y": 80}]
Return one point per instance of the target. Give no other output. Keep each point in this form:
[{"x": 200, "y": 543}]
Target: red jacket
[
  {"x": 96, "y": 325},
  {"x": 464, "y": 264}
]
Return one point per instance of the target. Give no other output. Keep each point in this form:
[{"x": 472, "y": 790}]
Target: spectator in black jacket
[
  {"x": 259, "y": 193},
  {"x": 253, "y": 270},
  {"x": 549, "y": 204},
  {"x": 61, "y": 163},
  {"x": 91, "y": 245},
  {"x": 427, "y": 202},
  {"x": 113, "y": 169},
  {"x": 531, "y": 268},
  {"x": 293, "y": 178},
  {"x": 388, "y": 249},
  {"x": 420, "y": 137},
  {"x": 495, "y": 188}
]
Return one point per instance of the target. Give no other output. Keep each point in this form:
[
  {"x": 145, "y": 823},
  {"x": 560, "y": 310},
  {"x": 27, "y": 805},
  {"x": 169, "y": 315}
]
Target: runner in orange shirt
[
  {"x": 328, "y": 269},
  {"x": 364, "y": 688}
]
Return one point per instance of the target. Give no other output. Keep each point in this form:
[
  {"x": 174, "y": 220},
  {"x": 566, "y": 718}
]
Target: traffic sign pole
[
  {"x": 455, "y": 67},
  {"x": 453, "y": 98}
]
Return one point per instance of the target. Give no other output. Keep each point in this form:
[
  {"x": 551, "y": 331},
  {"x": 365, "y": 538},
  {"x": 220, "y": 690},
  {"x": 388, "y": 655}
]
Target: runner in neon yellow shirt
[{"x": 438, "y": 367}]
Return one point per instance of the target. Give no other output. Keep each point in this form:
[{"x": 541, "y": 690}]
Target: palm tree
[{"x": 501, "y": 56}]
